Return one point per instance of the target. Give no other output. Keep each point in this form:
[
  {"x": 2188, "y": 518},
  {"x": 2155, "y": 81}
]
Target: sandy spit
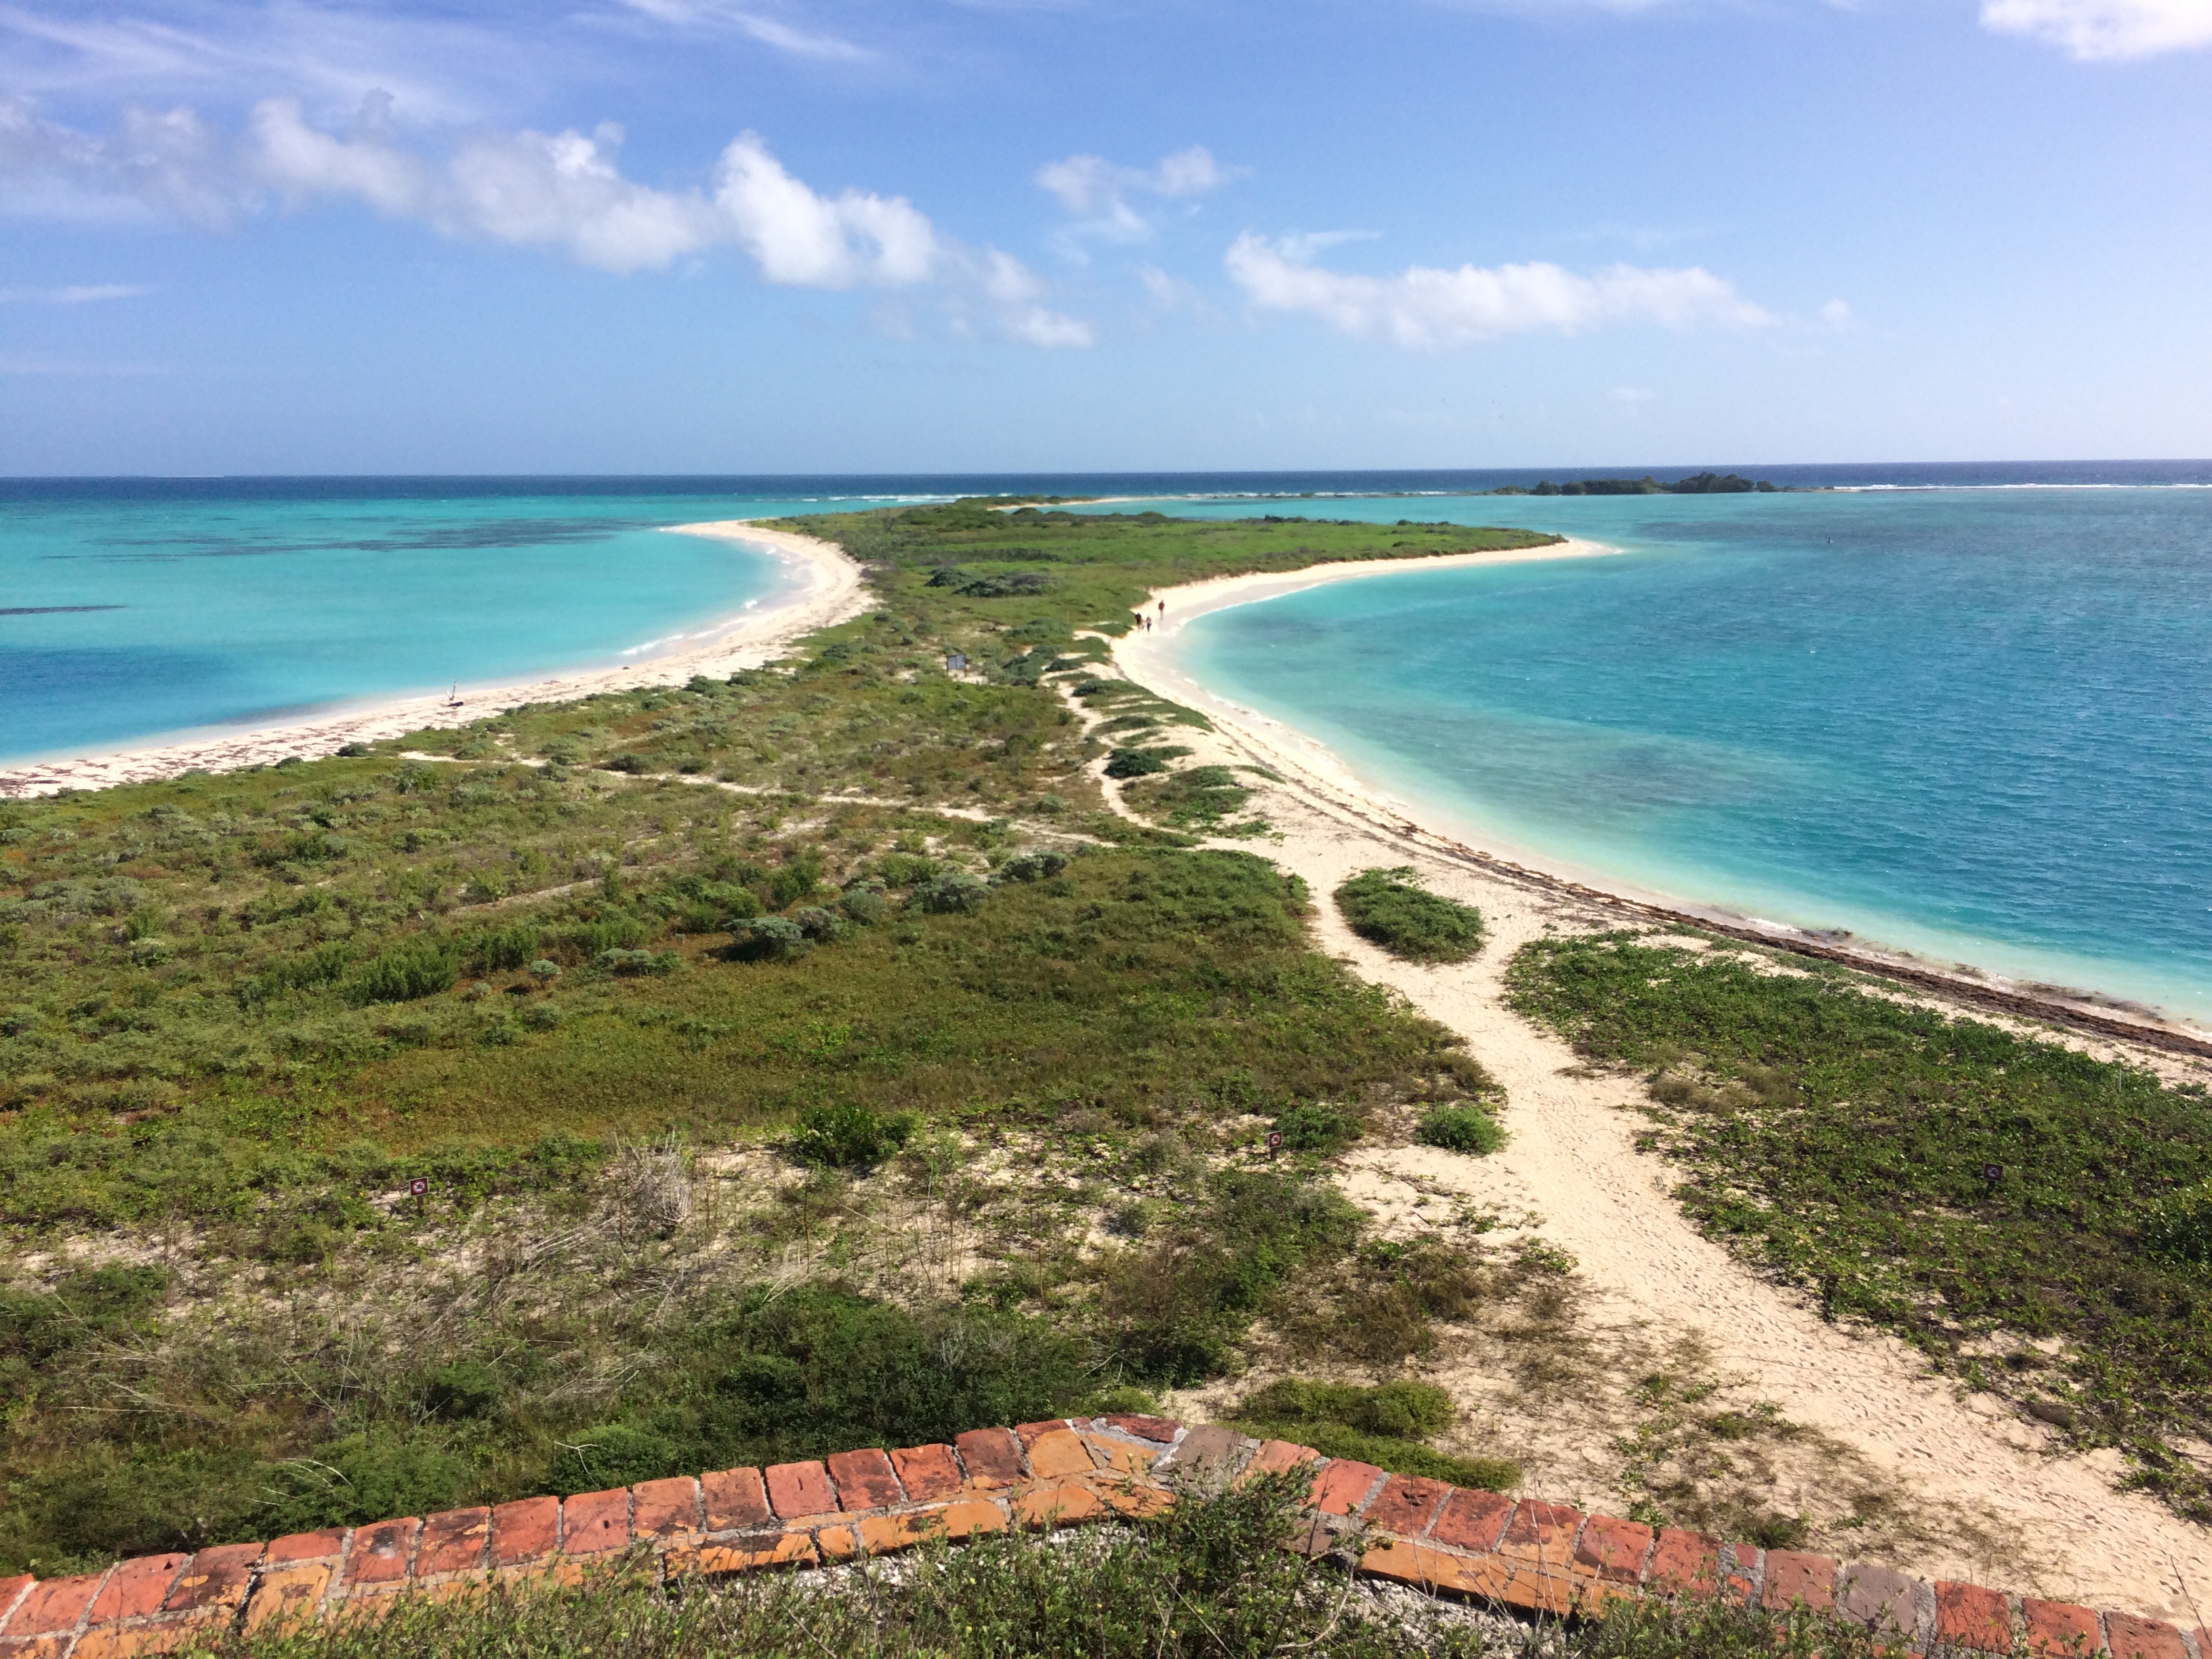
[
  {"x": 829, "y": 590},
  {"x": 2069, "y": 1530}
]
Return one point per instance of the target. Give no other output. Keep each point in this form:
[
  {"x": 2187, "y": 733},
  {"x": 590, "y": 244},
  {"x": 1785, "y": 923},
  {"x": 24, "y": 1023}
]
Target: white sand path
[{"x": 1572, "y": 1159}]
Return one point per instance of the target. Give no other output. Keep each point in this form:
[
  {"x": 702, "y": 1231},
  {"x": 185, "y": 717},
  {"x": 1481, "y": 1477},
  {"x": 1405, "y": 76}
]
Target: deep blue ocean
[{"x": 1937, "y": 706}]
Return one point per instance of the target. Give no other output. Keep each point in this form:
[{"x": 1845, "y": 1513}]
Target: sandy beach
[
  {"x": 829, "y": 590},
  {"x": 1978, "y": 1491}
]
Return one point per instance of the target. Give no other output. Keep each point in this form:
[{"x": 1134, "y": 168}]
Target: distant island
[{"x": 1700, "y": 484}]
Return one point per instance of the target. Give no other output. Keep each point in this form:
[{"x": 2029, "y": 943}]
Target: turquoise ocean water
[
  {"x": 1973, "y": 722},
  {"x": 134, "y": 611}
]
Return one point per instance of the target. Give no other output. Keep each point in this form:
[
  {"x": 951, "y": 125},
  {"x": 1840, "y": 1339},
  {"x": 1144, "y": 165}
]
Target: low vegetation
[
  {"x": 792, "y": 1063},
  {"x": 2032, "y": 1218},
  {"x": 1386, "y": 1424},
  {"x": 1391, "y": 908}
]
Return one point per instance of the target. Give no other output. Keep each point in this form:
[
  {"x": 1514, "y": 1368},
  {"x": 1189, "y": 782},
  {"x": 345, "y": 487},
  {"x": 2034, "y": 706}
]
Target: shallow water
[
  {"x": 133, "y": 610},
  {"x": 1976, "y": 723}
]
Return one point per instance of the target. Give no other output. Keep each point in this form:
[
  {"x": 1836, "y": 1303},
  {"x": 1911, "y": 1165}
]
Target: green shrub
[
  {"x": 2179, "y": 1227},
  {"x": 366, "y": 1477},
  {"x": 1142, "y": 763},
  {"x": 615, "y": 1455},
  {"x": 864, "y": 905},
  {"x": 817, "y": 923},
  {"x": 1316, "y": 1126},
  {"x": 467, "y": 1387},
  {"x": 618, "y": 932},
  {"x": 1468, "y": 1129},
  {"x": 630, "y": 963},
  {"x": 955, "y": 891},
  {"x": 849, "y": 1133},
  {"x": 1383, "y": 1426},
  {"x": 767, "y": 939},
  {"x": 1033, "y": 866},
  {"x": 406, "y": 973},
  {"x": 507, "y": 947},
  {"x": 1386, "y": 908},
  {"x": 544, "y": 971}
]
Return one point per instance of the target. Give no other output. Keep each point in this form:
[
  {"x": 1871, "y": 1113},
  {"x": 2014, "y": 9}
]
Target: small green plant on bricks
[
  {"x": 1384, "y": 1425},
  {"x": 1390, "y": 908}
]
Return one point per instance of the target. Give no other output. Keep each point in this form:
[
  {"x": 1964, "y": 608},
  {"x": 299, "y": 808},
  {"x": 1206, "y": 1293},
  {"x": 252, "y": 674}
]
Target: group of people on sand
[{"x": 1145, "y": 622}]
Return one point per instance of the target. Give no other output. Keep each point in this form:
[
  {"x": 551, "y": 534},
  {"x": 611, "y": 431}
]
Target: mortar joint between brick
[{"x": 2191, "y": 1645}]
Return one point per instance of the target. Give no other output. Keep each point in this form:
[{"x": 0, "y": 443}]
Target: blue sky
[{"x": 831, "y": 235}]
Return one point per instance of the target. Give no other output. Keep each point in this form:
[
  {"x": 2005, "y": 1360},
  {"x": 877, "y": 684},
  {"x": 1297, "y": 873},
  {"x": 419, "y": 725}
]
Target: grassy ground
[
  {"x": 2029, "y": 1217},
  {"x": 584, "y": 970},
  {"x": 1209, "y": 1578}
]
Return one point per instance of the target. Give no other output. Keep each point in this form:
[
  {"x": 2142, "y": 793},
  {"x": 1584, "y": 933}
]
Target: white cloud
[
  {"x": 84, "y": 294},
  {"x": 1426, "y": 308},
  {"x": 159, "y": 165},
  {"x": 561, "y": 192},
  {"x": 1097, "y": 192},
  {"x": 2092, "y": 30},
  {"x": 754, "y": 25}
]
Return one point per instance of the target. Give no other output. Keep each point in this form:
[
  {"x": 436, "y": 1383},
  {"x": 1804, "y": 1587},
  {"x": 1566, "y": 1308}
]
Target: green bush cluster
[
  {"x": 1389, "y": 907},
  {"x": 1470, "y": 1129},
  {"x": 849, "y": 1135},
  {"x": 1385, "y": 1425}
]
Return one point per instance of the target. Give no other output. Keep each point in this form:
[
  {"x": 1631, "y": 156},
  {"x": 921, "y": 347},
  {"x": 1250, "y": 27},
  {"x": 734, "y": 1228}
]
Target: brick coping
[{"x": 1525, "y": 1556}]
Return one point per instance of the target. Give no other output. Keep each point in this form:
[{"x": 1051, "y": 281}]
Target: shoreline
[
  {"x": 1152, "y": 661},
  {"x": 829, "y": 590}
]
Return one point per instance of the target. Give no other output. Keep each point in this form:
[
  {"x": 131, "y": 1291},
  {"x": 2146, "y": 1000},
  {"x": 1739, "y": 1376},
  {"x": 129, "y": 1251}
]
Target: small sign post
[
  {"x": 1274, "y": 1142},
  {"x": 418, "y": 1189}
]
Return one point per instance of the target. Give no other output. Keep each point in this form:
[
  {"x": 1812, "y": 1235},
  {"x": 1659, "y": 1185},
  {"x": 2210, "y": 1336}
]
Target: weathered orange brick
[
  {"x": 1685, "y": 1563},
  {"x": 528, "y": 1529},
  {"x": 795, "y": 1489},
  {"x": 1145, "y": 1428},
  {"x": 724, "y": 1559},
  {"x": 1030, "y": 1433},
  {"x": 288, "y": 1597},
  {"x": 1120, "y": 1457},
  {"x": 215, "y": 1578},
  {"x": 840, "y": 1543},
  {"x": 734, "y": 1498},
  {"x": 1406, "y": 1505},
  {"x": 1423, "y": 1565},
  {"x": 1796, "y": 1578},
  {"x": 1542, "y": 1535},
  {"x": 1520, "y": 1585},
  {"x": 173, "y": 1634},
  {"x": 1058, "y": 1453},
  {"x": 381, "y": 1553},
  {"x": 1056, "y": 1504},
  {"x": 595, "y": 1522},
  {"x": 1740, "y": 1562},
  {"x": 2059, "y": 1627},
  {"x": 54, "y": 1605},
  {"x": 13, "y": 1591},
  {"x": 865, "y": 1480},
  {"x": 2128, "y": 1637},
  {"x": 926, "y": 1471},
  {"x": 306, "y": 1546},
  {"x": 1131, "y": 1499},
  {"x": 456, "y": 1541},
  {"x": 664, "y": 1508},
  {"x": 1275, "y": 1454},
  {"x": 1968, "y": 1616},
  {"x": 1472, "y": 1519},
  {"x": 136, "y": 1588},
  {"x": 885, "y": 1534},
  {"x": 1613, "y": 1549},
  {"x": 1342, "y": 1486},
  {"x": 992, "y": 1457}
]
